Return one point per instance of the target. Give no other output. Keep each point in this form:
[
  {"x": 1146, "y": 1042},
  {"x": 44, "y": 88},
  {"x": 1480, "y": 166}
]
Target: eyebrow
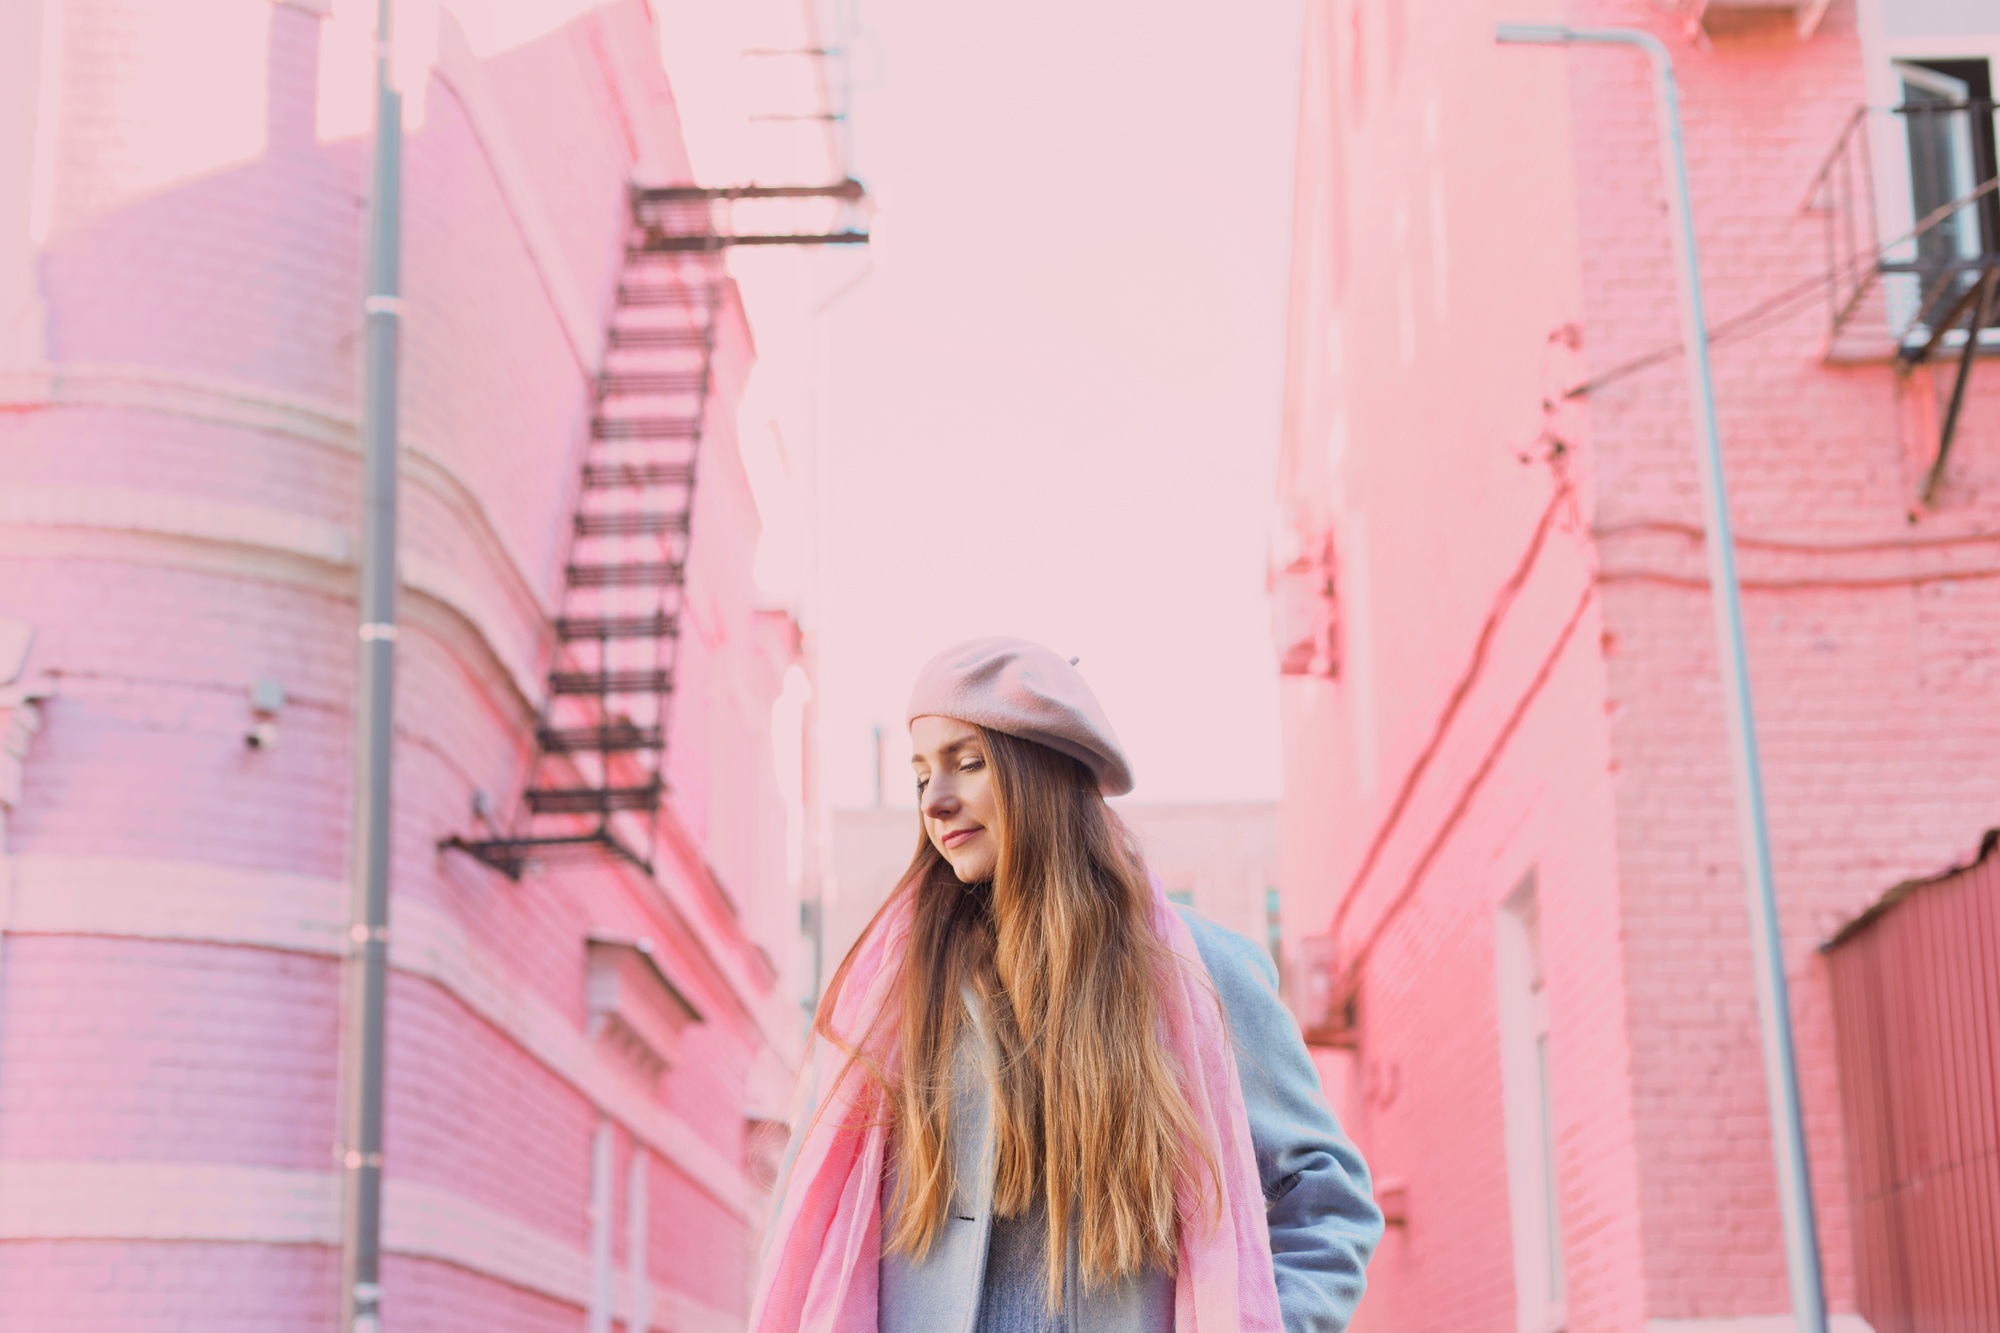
[{"x": 947, "y": 750}]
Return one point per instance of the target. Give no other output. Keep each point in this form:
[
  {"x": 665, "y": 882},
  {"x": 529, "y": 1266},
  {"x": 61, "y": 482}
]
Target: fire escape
[
  {"x": 1934, "y": 289},
  {"x": 598, "y": 776}
]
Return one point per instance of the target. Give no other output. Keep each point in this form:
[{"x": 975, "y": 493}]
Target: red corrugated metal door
[{"x": 1916, "y": 993}]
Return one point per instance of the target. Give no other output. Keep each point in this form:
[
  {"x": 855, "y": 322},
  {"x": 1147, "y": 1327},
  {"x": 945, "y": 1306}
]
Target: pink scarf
[{"x": 824, "y": 1247}]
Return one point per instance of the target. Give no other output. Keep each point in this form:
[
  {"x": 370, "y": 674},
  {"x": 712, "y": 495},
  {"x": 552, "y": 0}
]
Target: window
[
  {"x": 1929, "y": 70},
  {"x": 1947, "y": 115},
  {"x": 1528, "y": 1107}
]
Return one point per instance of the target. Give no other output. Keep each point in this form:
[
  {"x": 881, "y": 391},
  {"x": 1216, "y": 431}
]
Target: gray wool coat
[{"x": 1323, "y": 1221}]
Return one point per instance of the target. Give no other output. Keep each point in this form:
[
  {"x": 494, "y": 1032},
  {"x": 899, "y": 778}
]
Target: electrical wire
[
  {"x": 1475, "y": 668},
  {"x": 1782, "y": 305},
  {"x": 1775, "y": 308},
  {"x": 1449, "y": 824}
]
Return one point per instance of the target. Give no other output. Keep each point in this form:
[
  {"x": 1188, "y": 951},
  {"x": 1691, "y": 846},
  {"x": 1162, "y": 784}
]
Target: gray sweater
[{"x": 1013, "y": 1297}]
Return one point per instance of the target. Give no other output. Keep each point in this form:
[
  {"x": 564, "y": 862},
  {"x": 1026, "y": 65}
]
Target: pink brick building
[
  {"x": 1507, "y": 835},
  {"x": 582, "y": 1061}
]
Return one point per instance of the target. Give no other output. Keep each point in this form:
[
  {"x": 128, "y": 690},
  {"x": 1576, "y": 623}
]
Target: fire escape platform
[{"x": 1932, "y": 291}]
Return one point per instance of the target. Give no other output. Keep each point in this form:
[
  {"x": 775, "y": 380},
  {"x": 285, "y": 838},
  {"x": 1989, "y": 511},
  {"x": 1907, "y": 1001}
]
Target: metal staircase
[{"x": 599, "y": 775}]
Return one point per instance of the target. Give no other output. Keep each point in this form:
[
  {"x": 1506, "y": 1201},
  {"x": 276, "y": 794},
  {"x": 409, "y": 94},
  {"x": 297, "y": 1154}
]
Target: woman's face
[{"x": 955, "y": 794}]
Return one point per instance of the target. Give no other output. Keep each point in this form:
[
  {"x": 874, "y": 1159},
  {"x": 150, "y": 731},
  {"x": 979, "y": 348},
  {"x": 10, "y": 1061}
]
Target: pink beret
[{"x": 1025, "y": 690}]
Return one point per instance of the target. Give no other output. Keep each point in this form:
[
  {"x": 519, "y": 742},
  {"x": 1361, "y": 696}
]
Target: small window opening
[{"x": 1948, "y": 130}]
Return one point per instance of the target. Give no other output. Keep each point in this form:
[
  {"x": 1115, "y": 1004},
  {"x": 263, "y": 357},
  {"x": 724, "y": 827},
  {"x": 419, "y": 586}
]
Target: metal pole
[
  {"x": 1781, "y": 1078},
  {"x": 361, "y": 1238}
]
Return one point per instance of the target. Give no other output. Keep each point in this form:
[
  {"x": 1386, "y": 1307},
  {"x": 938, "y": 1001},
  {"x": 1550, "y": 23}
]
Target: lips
[{"x": 959, "y": 837}]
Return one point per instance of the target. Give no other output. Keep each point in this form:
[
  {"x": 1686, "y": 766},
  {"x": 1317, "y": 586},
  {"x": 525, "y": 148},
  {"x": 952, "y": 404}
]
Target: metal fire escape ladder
[
  {"x": 599, "y": 770},
  {"x": 601, "y": 743}
]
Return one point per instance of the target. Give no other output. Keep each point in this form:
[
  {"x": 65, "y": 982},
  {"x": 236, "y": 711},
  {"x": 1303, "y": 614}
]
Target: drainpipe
[
  {"x": 361, "y": 1234},
  {"x": 1781, "y": 1077}
]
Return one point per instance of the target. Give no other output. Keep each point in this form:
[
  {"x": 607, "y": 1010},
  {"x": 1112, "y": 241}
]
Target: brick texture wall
[
  {"x": 180, "y": 482},
  {"x": 1456, "y": 270}
]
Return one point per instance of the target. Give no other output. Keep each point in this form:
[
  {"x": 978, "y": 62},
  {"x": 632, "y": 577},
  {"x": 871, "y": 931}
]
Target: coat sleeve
[{"x": 1323, "y": 1220}]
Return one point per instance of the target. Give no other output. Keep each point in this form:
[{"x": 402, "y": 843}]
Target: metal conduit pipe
[
  {"x": 1781, "y": 1078},
  {"x": 368, "y": 953}
]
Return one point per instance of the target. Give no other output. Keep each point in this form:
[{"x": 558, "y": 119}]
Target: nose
[{"x": 939, "y": 803}]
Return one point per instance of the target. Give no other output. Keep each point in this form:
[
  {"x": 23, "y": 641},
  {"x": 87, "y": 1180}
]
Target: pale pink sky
[{"x": 1056, "y": 396}]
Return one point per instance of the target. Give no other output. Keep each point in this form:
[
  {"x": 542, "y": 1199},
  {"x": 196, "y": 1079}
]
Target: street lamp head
[
  {"x": 1555, "y": 34},
  {"x": 1531, "y": 34}
]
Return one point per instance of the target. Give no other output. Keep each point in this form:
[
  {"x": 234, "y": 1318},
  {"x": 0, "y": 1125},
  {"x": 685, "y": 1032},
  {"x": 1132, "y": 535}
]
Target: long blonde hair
[{"x": 1089, "y": 1112}]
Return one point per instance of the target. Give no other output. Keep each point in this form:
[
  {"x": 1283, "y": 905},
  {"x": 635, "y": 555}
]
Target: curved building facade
[{"x": 580, "y": 1059}]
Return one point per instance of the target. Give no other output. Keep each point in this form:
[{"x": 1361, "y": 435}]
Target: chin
[{"x": 971, "y": 869}]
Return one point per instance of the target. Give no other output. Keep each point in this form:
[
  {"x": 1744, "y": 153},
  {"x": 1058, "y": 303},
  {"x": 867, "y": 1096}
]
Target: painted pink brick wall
[
  {"x": 108, "y": 1287},
  {"x": 168, "y": 1052},
  {"x": 515, "y": 1138},
  {"x": 140, "y": 1050},
  {"x": 1426, "y": 1045},
  {"x": 1872, "y": 776},
  {"x": 586, "y": 173},
  {"x": 692, "y": 1238},
  {"x": 438, "y": 1298},
  {"x": 1439, "y": 244},
  {"x": 490, "y": 334},
  {"x": 231, "y": 262}
]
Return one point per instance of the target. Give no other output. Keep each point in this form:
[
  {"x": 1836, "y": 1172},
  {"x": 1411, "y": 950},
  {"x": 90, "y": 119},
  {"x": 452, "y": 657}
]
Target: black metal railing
[
  {"x": 692, "y": 218},
  {"x": 1937, "y": 282},
  {"x": 1843, "y": 194},
  {"x": 1918, "y": 288}
]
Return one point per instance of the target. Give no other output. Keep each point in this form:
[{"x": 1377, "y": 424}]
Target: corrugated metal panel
[{"x": 1916, "y": 993}]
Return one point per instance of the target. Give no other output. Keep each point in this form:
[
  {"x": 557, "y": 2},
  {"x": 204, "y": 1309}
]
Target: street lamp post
[
  {"x": 1773, "y": 1003},
  {"x": 361, "y": 1231}
]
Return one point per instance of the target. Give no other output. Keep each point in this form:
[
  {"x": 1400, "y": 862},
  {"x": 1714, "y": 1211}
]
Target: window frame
[
  {"x": 1528, "y": 1113},
  {"x": 1884, "y": 58}
]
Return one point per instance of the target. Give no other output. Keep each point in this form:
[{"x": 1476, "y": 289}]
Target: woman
[{"x": 1028, "y": 1112}]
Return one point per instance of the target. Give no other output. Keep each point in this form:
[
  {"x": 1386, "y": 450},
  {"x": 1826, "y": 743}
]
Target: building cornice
[
  {"x": 255, "y": 542},
  {"x": 316, "y": 422}
]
